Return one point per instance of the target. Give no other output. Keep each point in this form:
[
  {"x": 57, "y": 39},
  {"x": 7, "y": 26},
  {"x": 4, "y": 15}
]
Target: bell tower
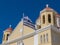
[
  {"x": 6, "y": 34},
  {"x": 47, "y": 16}
]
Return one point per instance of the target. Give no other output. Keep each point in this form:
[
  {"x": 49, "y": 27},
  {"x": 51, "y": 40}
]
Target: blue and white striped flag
[{"x": 28, "y": 22}]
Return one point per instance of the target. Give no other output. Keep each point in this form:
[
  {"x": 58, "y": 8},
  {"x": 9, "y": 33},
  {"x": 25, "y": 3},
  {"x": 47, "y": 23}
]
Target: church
[{"x": 45, "y": 31}]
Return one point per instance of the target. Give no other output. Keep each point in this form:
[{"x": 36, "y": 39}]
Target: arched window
[
  {"x": 44, "y": 38},
  {"x": 43, "y": 19},
  {"x": 7, "y": 36},
  {"x": 49, "y": 18},
  {"x": 41, "y": 38},
  {"x": 47, "y": 37}
]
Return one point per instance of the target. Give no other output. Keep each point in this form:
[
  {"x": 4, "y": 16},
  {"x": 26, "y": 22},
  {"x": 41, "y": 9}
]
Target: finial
[
  {"x": 47, "y": 5},
  {"x": 9, "y": 26}
]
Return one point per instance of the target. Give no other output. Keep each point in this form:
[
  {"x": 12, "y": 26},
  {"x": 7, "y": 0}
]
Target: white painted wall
[{"x": 36, "y": 39}]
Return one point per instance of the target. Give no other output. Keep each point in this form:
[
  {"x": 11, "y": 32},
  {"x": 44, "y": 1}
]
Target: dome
[
  {"x": 9, "y": 29},
  {"x": 47, "y": 9}
]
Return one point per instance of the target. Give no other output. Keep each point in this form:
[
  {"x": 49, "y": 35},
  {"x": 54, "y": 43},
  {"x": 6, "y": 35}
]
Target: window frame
[
  {"x": 43, "y": 19},
  {"x": 49, "y": 18},
  {"x": 7, "y": 36}
]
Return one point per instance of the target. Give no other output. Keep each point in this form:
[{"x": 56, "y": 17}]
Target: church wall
[
  {"x": 46, "y": 19},
  {"x": 18, "y": 33},
  {"x": 29, "y": 41},
  {"x": 55, "y": 38},
  {"x": 42, "y": 34}
]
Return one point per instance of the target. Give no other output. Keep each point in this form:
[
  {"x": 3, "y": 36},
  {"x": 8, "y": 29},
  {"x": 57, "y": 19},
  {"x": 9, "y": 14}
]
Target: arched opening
[
  {"x": 49, "y": 18},
  {"x": 47, "y": 37},
  {"x": 44, "y": 38},
  {"x": 41, "y": 38},
  {"x": 7, "y": 36},
  {"x": 43, "y": 19}
]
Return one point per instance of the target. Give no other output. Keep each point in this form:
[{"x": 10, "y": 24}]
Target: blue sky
[{"x": 11, "y": 11}]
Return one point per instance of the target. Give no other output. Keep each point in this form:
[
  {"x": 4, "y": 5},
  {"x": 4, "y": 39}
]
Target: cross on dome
[
  {"x": 9, "y": 26},
  {"x": 47, "y": 5}
]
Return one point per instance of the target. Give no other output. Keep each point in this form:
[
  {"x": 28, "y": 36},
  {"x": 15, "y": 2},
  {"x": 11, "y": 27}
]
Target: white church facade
[{"x": 46, "y": 31}]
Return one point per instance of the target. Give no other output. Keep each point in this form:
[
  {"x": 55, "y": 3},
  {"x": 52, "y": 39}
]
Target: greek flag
[{"x": 28, "y": 22}]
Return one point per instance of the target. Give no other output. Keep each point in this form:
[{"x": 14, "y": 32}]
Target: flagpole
[
  {"x": 23, "y": 24},
  {"x": 23, "y": 28}
]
